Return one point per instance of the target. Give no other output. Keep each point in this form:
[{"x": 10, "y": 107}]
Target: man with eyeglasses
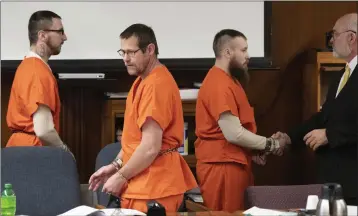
[
  {"x": 332, "y": 132},
  {"x": 34, "y": 106},
  {"x": 152, "y": 167}
]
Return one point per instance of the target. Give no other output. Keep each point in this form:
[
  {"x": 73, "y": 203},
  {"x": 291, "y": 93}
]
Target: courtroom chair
[
  {"x": 45, "y": 179},
  {"x": 105, "y": 157},
  {"x": 280, "y": 197},
  {"x": 189, "y": 204},
  {"x": 88, "y": 197},
  {"x": 194, "y": 191}
]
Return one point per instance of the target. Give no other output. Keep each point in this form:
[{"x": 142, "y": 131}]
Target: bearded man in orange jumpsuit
[{"x": 225, "y": 127}]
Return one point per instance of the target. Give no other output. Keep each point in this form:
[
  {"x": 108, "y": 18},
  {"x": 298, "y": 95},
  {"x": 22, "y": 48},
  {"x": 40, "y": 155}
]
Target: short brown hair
[
  {"x": 40, "y": 20},
  {"x": 143, "y": 33},
  {"x": 222, "y": 38}
]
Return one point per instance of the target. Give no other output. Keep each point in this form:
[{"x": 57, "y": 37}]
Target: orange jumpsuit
[
  {"x": 169, "y": 176},
  {"x": 33, "y": 84},
  {"x": 223, "y": 169}
]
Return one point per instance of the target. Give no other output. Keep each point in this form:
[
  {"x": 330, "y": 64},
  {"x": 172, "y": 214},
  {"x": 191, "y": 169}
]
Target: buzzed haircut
[
  {"x": 40, "y": 20},
  {"x": 143, "y": 33},
  {"x": 223, "y": 37}
]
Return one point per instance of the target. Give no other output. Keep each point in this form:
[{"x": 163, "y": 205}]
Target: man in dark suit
[{"x": 332, "y": 132}]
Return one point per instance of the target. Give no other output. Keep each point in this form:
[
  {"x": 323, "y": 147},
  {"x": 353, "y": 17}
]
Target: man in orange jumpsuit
[
  {"x": 153, "y": 131},
  {"x": 225, "y": 127},
  {"x": 34, "y": 106}
]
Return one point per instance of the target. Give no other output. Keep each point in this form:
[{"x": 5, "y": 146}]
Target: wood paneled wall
[
  {"x": 275, "y": 94},
  {"x": 6, "y": 81},
  {"x": 81, "y": 125}
]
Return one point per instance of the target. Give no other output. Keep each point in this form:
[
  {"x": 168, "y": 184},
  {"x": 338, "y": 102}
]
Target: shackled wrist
[
  {"x": 117, "y": 163},
  {"x": 269, "y": 145},
  {"x": 272, "y": 144},
  {"x": 276, "y": 144},
  {"x": 122, "y": 176}
]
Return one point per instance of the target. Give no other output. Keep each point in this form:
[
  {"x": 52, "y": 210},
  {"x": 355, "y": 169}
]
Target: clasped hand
[
  {"x": 316, "y": 138},
  {"x": 278, "y": 150},
  {"x": 312, "y": 139},
  {"x": 107, "y": 175}
]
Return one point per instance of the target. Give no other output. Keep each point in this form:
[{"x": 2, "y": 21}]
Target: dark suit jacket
[{"x": 336, "y": 161}]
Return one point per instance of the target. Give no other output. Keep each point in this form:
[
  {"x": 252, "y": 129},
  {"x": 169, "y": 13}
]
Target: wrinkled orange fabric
[
  {"x": 33, "y": 84},
  {"x": 222, "y": 185},
  {"x": 223, "y": 169},
  {"x": 157, "y": 97}
]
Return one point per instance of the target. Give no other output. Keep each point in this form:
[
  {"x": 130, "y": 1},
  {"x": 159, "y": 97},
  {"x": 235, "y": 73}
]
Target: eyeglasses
[
  {"x": 333, "y": 34},
  {"x": 130, "y": 53},
  {"x": 61, "y": 31}
]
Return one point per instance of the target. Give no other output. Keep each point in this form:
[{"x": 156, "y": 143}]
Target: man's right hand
[
  {"x": 101, "y": 176},
  {"x": 282, "y": 136},
  {"x": 283, "y": 140},
  {"x": 65, "y": 147}
]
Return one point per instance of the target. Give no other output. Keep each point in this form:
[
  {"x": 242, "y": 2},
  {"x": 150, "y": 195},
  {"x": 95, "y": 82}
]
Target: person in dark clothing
[{"x": 332, "y": 132}]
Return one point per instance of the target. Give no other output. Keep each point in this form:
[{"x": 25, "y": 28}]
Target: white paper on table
[
  {"x": 255, "y": 211},
  {"x": 121, "y": 211},
  {"x": 352, "y": 210},
  {"x": 89, "y": 211}
]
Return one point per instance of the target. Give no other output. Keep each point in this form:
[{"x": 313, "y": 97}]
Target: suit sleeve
[
  {"x": 41, "y": 90},
  {"x": 297, "y": 133},
  {"x": 317, "y": 121},
  {"x": 156, "y": 103}
]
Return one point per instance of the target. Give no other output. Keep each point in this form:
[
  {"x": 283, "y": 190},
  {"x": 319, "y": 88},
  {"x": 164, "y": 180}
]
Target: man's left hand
[
  {"x": 316, "y": 138},
  {"x": 114, "y": 185},
  {"x": 260, "y": 159}
]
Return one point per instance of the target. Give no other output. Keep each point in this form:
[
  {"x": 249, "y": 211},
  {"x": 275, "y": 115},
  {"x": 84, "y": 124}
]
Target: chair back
[
  {"x": 45, "y": 179},
  {"x": 105, "y": 157}
]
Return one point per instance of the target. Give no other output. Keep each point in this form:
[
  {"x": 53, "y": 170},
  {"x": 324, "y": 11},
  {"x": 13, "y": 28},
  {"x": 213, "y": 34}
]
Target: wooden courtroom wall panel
[
  {"x": 81, "y": 120},
  {"x": 302, "y": 25},
  {"x": 6, "y": 81},
  {"x": 275, "y": 94}
]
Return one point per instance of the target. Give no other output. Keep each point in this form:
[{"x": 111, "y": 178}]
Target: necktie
[{"x": 345, "y": 78}]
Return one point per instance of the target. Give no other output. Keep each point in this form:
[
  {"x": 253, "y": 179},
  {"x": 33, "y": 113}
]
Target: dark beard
[{"x": 240, "y": 74}]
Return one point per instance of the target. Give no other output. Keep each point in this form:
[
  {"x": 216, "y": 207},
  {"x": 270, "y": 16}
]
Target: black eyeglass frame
[
  {"x": 131, "y": 53},
  {"x": 61, "y": 31}
]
